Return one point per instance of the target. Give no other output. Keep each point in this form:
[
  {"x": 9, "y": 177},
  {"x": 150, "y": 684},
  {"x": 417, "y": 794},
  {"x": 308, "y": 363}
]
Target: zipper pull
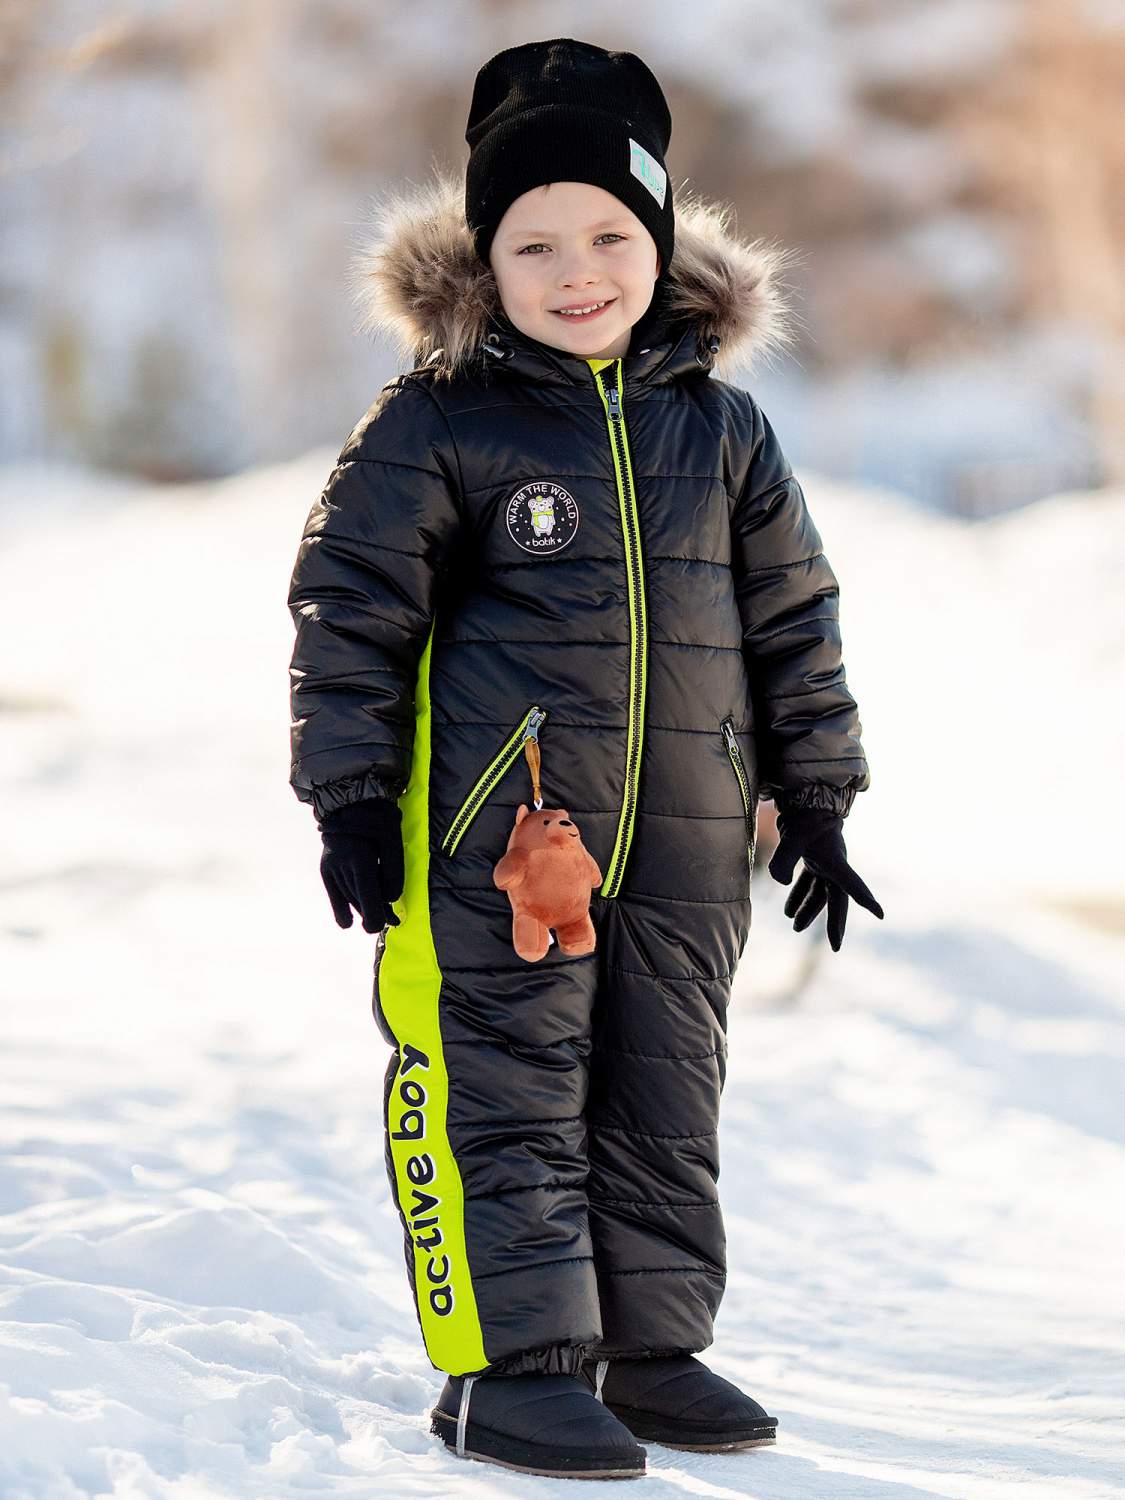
[
  {"x": 728, "y": 732},
  {"x": 531, "y": 751},
  {"x": 614, "y": 399}
]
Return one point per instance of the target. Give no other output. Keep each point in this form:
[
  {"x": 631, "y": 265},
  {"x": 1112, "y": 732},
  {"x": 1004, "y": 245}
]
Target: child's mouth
[{"x": 584, "y": 317}]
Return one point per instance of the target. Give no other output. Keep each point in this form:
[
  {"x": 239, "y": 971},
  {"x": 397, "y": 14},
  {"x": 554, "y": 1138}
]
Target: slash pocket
[
  {"x": 490, "y": 778},
  {"x": 748, "y": 807}
]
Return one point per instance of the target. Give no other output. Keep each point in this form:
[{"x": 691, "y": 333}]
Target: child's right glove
[
  {"x": 362, "y": 864},
  {"x": 815, "y": 836}
]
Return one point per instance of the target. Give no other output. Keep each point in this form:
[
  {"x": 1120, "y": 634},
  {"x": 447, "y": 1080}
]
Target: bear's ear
[{"x": 521, "y": 814}]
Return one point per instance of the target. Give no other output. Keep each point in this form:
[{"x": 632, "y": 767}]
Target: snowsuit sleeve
[
  {"x": 807, "y": 722},
  {"x": 368, "y": 574}
]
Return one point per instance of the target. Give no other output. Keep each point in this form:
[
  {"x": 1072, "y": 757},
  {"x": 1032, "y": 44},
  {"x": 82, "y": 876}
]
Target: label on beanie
[{"x": 644, "y": 165}]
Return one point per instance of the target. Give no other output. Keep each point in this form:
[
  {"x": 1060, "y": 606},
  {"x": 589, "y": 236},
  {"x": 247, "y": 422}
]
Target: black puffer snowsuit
[{"x": 620, "y": 560}]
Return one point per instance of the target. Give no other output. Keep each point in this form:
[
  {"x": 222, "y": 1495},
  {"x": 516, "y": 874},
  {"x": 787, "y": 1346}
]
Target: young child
[{"x": 561, "y": 526}]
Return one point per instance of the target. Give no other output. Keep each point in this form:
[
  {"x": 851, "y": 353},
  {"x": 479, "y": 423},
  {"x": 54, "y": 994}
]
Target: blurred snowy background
[
  {"x": 180, "y": 182},
  {"x": 202, "y": 1292}
]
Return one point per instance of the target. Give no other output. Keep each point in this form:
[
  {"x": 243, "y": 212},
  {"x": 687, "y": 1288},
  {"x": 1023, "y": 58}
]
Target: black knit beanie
[{"x": 568, "y": 111}]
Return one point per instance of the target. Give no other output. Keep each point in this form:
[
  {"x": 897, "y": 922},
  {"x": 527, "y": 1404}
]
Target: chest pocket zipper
[
  {"x": 727, "y": 726},
  {"x": 490, "y": 778}
]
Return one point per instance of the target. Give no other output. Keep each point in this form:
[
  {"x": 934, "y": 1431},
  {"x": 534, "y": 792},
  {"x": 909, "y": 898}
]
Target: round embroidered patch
[{"x": 542, "y": 517}]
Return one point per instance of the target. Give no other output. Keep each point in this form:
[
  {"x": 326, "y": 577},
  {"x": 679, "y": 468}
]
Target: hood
[{"x": 418, "y": 282}]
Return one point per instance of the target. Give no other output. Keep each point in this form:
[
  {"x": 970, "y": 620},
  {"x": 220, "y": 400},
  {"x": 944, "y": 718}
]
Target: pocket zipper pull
[{"x": 531, "y": 750}]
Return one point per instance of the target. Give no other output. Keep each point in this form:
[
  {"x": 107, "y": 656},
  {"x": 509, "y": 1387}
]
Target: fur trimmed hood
[{"x": 418, "y": 281}]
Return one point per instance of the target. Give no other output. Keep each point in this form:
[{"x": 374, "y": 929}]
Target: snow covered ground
[{"x": 202, "y": 1292}]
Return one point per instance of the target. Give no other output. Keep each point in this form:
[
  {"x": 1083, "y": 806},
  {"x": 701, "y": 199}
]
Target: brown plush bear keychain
[{"x": 548, "y": 874}]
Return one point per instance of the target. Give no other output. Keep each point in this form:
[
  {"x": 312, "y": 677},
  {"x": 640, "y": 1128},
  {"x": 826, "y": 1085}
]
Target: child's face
[{"x": 570, "y": 244}]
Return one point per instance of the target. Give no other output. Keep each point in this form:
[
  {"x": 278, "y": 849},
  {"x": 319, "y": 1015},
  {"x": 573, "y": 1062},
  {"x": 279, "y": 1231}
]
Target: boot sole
[
  {"x": 530, "y": 1458},
  {"x": 647, "y": 1427},
  {"x": 723, "y": 1447}
]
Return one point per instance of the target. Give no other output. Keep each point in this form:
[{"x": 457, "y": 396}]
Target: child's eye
[{"x": 609, "y": 234}]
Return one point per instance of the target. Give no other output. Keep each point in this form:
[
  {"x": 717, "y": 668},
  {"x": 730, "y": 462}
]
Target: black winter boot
[
  {"x": 675, "y": 1400},
  {"x": 539, "y": 1424}
]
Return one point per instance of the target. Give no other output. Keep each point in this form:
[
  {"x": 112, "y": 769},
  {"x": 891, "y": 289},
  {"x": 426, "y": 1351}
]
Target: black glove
[
  {"x": 362, "y": 864},
  {"x": 814, "y": 835}
]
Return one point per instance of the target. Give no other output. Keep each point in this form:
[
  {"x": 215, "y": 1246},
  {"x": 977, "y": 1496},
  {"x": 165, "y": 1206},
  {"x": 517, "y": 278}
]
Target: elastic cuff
[
  {"x": 554, "y": 1359},
  {"x": 330, "y": 795},
  {"x": 818, "y": 795},
  {"x": 678, "y": 1350}
]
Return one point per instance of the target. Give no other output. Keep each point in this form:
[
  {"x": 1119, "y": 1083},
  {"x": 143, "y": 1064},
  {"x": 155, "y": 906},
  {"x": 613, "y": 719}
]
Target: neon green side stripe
[{"x": 427, "y": 1177}]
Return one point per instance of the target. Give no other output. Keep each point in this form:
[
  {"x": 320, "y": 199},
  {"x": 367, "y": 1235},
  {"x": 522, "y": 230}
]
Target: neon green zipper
[
  {"x": 490, "y": 777},
  {"x": 611, "y": 392}
]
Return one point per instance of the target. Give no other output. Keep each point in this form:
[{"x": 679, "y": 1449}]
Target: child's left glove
[
  {"x": 816, "y": 836},
  {"x": 363, "y": 863}
]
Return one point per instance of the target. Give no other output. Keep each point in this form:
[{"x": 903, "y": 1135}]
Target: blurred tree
[{"x": 1049, "y": 145}]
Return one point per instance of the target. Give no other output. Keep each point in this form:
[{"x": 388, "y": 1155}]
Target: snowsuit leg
[
  {"x": 497, "y": 1237},
  {"x": 657, "y": 1071}
]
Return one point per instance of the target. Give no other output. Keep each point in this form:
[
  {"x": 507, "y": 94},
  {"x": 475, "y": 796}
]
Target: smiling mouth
[{"x": 595, "y": 310}]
